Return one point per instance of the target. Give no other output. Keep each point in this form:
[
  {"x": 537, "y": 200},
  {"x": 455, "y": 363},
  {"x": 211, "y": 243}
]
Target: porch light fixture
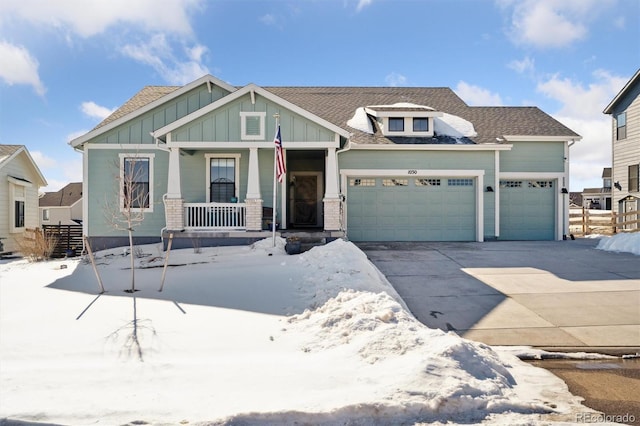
[
  {"x": 489, "y": 189},
  {"x": 564, "y": 191},
  {"x": 618, "y": 186}
]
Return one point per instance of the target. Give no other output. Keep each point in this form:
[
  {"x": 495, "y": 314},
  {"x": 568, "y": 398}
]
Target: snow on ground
[
  {"x": 247, "y": 335},
  {"x": 629, "y": 243}
]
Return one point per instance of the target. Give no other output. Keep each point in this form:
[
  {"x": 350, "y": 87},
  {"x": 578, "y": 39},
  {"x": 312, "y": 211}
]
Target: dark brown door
[{"x": 305, "y": 201}]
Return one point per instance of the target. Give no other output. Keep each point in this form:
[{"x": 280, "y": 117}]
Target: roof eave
[
  {"x": 622, "y": 93},
  {"x": 541, "y": 138}
]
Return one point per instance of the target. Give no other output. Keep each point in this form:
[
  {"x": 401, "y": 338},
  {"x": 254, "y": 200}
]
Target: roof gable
[
  {"x": 145, "y": 101},
  {"x": 9, "y": 152},
  {"x": 250, "y": 89},
  {"x": 632, "y": 84}
]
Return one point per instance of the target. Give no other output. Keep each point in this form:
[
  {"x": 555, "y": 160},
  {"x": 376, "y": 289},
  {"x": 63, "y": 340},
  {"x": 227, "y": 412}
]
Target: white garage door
[
  {"x": 527, "y": 210},
  {"x": 411, "y": 209}
]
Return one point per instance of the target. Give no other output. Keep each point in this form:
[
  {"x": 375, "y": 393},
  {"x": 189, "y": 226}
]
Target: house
[
  {"x": 20, "y": 181},
  {"x": 63, "y": 207},
  {"x": 368, "y": 163},
  {"x": 599, "y": 198},
  {"x": 624, "y": 110}
]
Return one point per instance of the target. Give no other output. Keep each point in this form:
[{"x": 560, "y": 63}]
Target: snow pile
[
  {"x": 246, "y": 335},
  {"x": 629, "y": 243},
  {"x": 360, "y": 121},
  {"x": 454, "y": 126}
]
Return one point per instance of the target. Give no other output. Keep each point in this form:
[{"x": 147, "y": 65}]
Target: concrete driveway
[{"x": 556, "y": 295}]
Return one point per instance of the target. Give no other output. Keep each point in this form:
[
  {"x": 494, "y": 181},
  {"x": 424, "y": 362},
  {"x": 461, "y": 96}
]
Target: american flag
[{"x": 280, "y": 167}]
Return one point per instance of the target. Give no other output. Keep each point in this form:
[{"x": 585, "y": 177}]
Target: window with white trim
[
  {"x": 45, "y": 215},
  {"x": 136, "y": 182},
  {"x": 223, "y": 178},
  {"x": 396, "y": 124},
  {"x": 18, "y": 194},
  {"x": 252, "y": 126},
  {"x": 621, "y": 126}
]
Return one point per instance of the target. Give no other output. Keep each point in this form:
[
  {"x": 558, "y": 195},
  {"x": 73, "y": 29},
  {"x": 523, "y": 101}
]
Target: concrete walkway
[{"x": 556, "y": 295}]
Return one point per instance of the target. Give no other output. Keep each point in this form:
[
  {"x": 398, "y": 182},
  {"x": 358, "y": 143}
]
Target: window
[
  {"x": 362, "y": 182},
  {"x": 45, "y": 215},
  {"x": 634, "y": 178},
  {"x": 395, "y": 182},
  {"x": 606, "y": 183},
  {"x": 421, "y": 124},
  {"x": 19, "y": 214},
  {"x": 621, "y": 126},
  {"x": 223, "y": 180},
  {"x": 541, "y": 184},
  {"x": 252, "y": 125},
  {"x": 427, "y": 182},
  {"x": 511, "y": 184},
  {"x": 460, "y": 182},
  {"x": 396, "y": 124},
  {"x": 136, "y": 182}
]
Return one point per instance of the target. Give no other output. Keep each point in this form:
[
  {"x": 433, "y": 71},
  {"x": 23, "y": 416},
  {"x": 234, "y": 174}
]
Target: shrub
[{"x": 35, "y": 245}]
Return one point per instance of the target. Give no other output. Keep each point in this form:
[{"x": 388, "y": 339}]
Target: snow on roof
[
  {"x": 454, "y": 126},
  {"x": 360, "y": 121}
]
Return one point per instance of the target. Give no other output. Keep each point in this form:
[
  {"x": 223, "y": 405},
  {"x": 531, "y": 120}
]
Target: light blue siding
[
  {"x": 103, "y": 196},
  {"x": 137, "y": 131},
  {"x": 533, "y": 157},
  {"x": 224, "y": 124}
]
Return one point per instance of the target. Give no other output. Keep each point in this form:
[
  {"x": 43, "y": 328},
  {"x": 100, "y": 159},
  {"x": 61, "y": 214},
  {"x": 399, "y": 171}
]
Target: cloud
[
  {"x": 475, "y": 95},
  {"x": 42, "y": 160},
  {"x": 93, "y": 110},
  {"x": 581, "y": 107},
  {"x": 551, "y": 23},
  {"x": 362, "y": 4},
  {"x": 89, "y": 18},
  {"x": 19, "y": 67},
  {"x": 159, "y": 54},
  {"x": 394, "y": 79},
  {"x": 526, "y": 65}
]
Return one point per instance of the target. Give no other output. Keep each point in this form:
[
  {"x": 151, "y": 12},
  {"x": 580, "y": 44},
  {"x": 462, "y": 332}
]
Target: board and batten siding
[
  {"x": 138, "y": 129},
  {"x": 223, "y": 124},
  {"x": 103, "y": 197},
  {"x": 19, "y": 167}
]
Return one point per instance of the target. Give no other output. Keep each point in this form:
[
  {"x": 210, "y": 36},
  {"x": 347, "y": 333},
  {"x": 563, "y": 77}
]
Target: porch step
[{"x": 307, "y": 242}]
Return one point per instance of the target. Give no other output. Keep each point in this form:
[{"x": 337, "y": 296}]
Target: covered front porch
[{"x": 232, "y": 205}]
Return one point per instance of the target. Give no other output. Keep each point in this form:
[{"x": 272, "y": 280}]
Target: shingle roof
[
  {"x": 8, "y": 150},
  {"x": 145, "y": 96},
  {"x": 338, "y": 105},
  {"x": 65, "y": 197}
]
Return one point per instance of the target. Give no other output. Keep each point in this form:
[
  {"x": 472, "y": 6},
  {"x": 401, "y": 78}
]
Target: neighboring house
[
  {"x": 63, "y": 207},
  {"x": 599, "y": 198},
  {"x": 625, "y": 113},
  {"x": 20, "y": 180},
  {"x": 371, "y": 163}
]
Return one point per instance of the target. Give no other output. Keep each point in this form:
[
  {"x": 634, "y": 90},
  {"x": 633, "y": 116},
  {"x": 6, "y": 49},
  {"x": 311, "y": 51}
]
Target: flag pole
[{"x": 275, "y": 183}]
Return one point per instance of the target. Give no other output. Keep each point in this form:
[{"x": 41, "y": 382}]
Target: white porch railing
[{"x": 214, "y": 216}]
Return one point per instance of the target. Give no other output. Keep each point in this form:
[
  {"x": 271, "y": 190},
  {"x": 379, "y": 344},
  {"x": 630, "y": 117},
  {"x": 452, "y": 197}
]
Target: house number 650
[{"x": 412, "y": 172}]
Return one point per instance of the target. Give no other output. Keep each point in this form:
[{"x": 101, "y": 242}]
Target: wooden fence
[
  {"x": 68, "y": 237},
  {"x": 585, "y": 222}
]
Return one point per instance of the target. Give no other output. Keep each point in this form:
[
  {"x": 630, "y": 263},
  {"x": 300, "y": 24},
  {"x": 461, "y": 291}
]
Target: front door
[{"x": 305, "y": 199}]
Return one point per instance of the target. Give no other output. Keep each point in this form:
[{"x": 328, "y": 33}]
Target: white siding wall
[
  {"x": 626, "y": 151},
  {"x": 19, "y": 167}
]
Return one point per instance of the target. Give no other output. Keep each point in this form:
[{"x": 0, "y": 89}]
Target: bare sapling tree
[{"x": 133, "y": 200}]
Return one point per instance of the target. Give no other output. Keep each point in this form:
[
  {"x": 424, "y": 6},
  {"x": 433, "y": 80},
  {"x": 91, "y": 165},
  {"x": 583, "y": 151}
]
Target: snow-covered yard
[{"x": 247, "y": 335}]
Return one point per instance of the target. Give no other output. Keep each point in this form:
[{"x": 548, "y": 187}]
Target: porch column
[
  {"x": 173, "y": 201},
  {"x": 253, "y": 201},
  {"x": 331, "y": 200}
]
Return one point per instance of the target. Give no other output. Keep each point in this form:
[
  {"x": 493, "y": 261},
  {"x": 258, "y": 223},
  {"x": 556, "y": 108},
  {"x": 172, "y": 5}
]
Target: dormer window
[
  {"x": 420, "y": 124},
  {"x": 396, "y": 124},
  {"x": 404, "y": 119}
]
